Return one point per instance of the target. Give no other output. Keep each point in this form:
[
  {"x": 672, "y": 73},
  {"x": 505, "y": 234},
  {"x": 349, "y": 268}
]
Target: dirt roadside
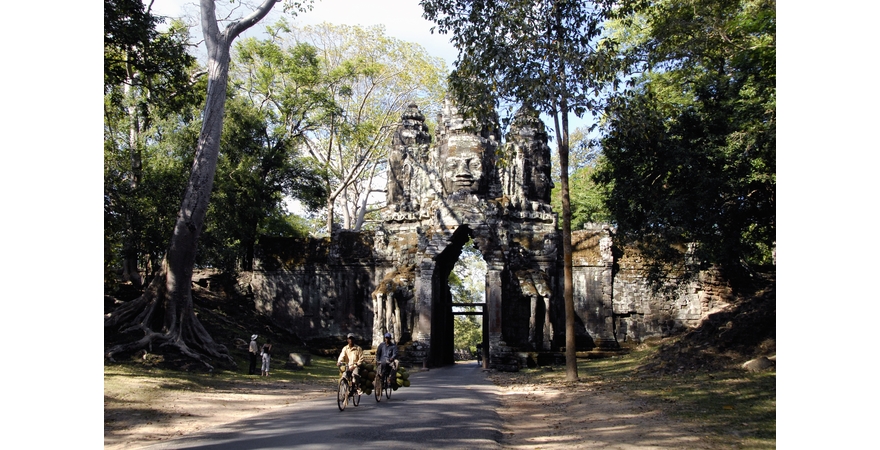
[
  {"x": 546, "y": 416},
  {"x": 581, "y": 415},
  {"x": 143, "y": 412}
]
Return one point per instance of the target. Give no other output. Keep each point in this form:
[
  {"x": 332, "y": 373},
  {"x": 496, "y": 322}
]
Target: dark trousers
[
  {"x": 253, "y": 368},
  {"x": 384, "y": 367}
]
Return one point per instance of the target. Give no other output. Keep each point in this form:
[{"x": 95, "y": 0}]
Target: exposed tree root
[{"x": 166, "y": 324}]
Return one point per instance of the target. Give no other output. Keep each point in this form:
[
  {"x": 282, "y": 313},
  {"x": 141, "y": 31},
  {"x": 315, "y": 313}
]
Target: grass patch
[{"x": 321, "y": 371}]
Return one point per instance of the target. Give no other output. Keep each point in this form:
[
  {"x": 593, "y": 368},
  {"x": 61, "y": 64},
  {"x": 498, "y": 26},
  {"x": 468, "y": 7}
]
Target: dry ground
[
  {"x": 582, "y": 415},
  {"x": 140, "y": 411}
]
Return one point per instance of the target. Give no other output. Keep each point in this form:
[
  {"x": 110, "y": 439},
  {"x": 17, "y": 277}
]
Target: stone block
[
  {"x": 301, "y": 359},
  {"x": 759, "y": 364}
]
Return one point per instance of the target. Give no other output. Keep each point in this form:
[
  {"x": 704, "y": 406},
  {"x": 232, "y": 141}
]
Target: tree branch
[{"x": 236, "y": 28}]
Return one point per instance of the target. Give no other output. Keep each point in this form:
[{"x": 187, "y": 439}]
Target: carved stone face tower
[
  {"x": 412, "y": 140},
  {"x": 466, "y": 159},
  {"x": 442, "y": 195}
]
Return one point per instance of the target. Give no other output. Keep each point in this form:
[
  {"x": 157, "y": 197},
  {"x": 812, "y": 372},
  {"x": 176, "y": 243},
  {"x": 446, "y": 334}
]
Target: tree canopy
[
  {"x": 146, "y": 81},
  {"x": 690, "y": 149},
  {"x": 587, "y": 197}
]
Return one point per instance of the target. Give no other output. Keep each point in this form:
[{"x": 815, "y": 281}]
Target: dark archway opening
[
  {"x": 442, "y": 318},
  {"x": 467, "y": 283}
]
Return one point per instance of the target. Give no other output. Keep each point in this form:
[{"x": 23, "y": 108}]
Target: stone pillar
[
  {"x": 606, "y": 339},
  {"x": 493, "y": 307},
  {"x": 378, "y": 318},
  {"x": 424, "y": 304},
  {"x": 548, "y": 326},
  {"x": 533, "y": 312},
  {"x": 397, "y": 327}
]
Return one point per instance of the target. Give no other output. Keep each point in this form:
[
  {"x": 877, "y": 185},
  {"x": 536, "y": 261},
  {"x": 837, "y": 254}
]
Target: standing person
[
  {"x": 386, "y": 355},
  {"x": 267, "y": 351},
  {"x": 351, "y": 356},
  {"x": 253, "y": 349}
]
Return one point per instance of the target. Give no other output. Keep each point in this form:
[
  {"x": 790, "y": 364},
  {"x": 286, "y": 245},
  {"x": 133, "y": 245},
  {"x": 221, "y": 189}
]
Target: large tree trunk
[
  {"x": 571, "y": 373},
  {"x": 130, "y": 255},
  {"x": 164, "y": 313}
]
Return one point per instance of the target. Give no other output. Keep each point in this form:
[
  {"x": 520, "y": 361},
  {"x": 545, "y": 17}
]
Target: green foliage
[
  {"x": 149, "y": 147},
  {"x": 144, "y": 179},
  {"x": 587, "y": 199},
  {"x": 284, "y": 224},
  {"x": 342, "y": 88},
  {"x": 136, "y": 54},
  {"x": 467, "y": 284},
  {"x": 521, "y": 52},
  {"x": 467, "y": 280},
  {"x": 255, "y": 170},
  {"x": 691, "y": 148},
  {"x": 150, "y": 102},
  {"x": 284, "y": 83},
  {"x": 366, "y": 79},
  {"x": 468, "y": 333}
]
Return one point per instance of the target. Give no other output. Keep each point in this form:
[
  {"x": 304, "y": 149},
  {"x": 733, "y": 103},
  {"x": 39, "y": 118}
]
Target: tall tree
[
  {"x": 540, "y": 54},
  {"x": 164, "y": 313},
  {"x": 146, "y": 74},
  {"x": 691, "y": 148}
]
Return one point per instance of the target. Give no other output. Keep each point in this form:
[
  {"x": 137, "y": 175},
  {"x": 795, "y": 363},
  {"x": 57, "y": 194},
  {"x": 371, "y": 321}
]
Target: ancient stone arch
[{"x": 465, "y": 186}]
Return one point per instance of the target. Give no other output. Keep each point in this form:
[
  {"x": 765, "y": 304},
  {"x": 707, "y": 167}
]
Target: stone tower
[{"x": 465, "y": 186}]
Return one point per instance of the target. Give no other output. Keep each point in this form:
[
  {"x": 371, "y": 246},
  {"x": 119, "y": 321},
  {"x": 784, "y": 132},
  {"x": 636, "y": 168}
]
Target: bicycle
[
  {"x": 347, "y": 391},
  {"x": 383, "y": 383}
]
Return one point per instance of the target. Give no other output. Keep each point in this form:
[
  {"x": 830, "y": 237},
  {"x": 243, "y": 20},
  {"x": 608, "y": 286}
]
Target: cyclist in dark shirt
[{"x": 386, "y": 355}]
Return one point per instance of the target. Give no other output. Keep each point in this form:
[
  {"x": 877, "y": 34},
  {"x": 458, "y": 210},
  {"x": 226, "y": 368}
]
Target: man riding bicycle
[
  {"x": 351, "y": 356},
  {"x": 386, "y": 356}
]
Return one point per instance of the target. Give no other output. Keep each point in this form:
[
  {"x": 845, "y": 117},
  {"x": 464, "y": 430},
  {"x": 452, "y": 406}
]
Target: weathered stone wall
[
  {"x": 319, "y": 289},
  {"x": 592, "y": 265},
  {"x": 641, "y": 311},
  {"x": 615, "y": 301},
  {"x": 322, "y": 291}
]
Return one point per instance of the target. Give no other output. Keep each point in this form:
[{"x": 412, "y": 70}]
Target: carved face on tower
[
  {"x": 542, "y": 184},
  {"x": 462, "y": 164}
]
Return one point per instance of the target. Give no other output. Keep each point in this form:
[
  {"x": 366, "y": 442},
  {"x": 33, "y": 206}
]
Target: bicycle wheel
[
  {"x": 377, "y": 387},
  {"x": 355, "y": 395},
  {"x": 388, "y": 387},
  {"x": 342, "y": 394}
]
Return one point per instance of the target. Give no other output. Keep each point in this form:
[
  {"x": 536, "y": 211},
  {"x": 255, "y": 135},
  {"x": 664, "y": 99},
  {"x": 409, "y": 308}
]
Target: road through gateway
[{"x": 448, "y": 407}]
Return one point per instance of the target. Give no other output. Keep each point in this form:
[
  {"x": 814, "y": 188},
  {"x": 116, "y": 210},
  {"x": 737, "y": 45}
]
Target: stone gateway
[{"x": 466, "y": 185}]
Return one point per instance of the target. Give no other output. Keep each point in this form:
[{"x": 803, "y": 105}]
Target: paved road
[{"x": 448, "y": 407}]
